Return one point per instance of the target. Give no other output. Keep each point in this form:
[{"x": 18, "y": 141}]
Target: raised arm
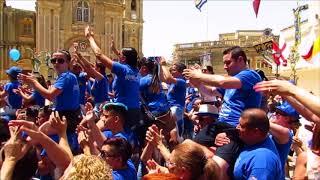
[
  {"x": 279, "y": 133},
  {"x": 96, "y": 49},
  {"x": 49, "y": 94},
  {"x": 60, "y": 125},
  {"x": 226, "y": 82},
  {"x": 55, "y": 153},
  {"x": 88, "y": 67},
  {"x": 285, "y": 88},
  {"x": 305, "y": 112}
]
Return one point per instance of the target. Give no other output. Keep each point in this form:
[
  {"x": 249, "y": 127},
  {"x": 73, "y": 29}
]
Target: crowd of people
[{"x": 149, "y": 120}]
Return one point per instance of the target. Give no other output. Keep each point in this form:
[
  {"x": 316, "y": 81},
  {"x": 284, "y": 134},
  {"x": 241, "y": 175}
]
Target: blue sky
[{"x": 168, "y": 22}]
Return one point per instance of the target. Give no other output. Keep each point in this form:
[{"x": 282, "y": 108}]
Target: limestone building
[
  {"x": 191, "y": 53},
  {"x": 60, "y": 24}
]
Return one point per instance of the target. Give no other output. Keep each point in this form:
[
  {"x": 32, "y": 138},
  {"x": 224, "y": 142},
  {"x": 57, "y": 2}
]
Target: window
[
  {"x": 27, "y": 26},
  {"x": 83, "y": 13},
  {"x": 27, "y": 29}
]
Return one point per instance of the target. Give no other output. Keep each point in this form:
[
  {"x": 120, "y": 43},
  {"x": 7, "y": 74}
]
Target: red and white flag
[{"x": 277, "y": 54}]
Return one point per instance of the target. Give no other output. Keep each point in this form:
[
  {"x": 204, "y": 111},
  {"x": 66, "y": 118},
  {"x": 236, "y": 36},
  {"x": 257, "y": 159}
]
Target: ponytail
[{"x": 155, "y": 82}]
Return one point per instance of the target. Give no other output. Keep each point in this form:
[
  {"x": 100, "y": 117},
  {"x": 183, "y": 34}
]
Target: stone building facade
[
  {"x": 191, "y": 53},
  {"x": 60, "y": 24}
]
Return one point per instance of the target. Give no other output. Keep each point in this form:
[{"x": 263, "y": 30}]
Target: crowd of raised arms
[{"x": 151, "y": 120}]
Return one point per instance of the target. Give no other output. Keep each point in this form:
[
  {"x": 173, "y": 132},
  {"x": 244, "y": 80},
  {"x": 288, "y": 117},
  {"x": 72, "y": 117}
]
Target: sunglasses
[
  {"x": 281, "y": 113},
  {"x": 105, "y": 154},
  {"x": 57, "y": 60}
]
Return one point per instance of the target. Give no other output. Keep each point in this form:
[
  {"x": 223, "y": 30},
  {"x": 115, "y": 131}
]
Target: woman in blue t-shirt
[
  {"x": 126, "y": 82},
  {"x": 65, "y": 91},
  {"x": 35, "y": 98},
  {"x": 150, "y": 87}
]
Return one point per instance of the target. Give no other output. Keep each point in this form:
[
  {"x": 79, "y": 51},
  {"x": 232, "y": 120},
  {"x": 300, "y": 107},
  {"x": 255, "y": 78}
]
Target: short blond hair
[{"x": 89, "y": 167}]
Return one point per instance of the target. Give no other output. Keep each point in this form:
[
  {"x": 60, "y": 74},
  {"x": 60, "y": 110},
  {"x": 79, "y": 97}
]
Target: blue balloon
[{"x": 14, "y": 54}]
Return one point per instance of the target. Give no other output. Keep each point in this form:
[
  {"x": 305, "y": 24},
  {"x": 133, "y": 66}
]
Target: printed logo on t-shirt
[{"x": 131, "y": 77}]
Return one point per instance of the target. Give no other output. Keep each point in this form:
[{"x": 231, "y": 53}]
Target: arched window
[
  {"x": 133, "y": 5},
  {"x": 83, "y": 11}
]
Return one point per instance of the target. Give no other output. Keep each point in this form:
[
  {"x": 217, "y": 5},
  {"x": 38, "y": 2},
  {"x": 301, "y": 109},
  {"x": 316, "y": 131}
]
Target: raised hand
[
  {"x": 58, "y": 124},
  {"x": 153, "y": 167},
  {"x": 88, "y": 32},
  {"x": 29, "y": 79},
  {"x": 192, "y": 74},
  {"x": 15, "y": 149},
  {"x": 154, "y": 136},
  {"x": 29, "y": 127},
  {"x": 88, "y": 118},
  {"x": 280, "y": 87}
]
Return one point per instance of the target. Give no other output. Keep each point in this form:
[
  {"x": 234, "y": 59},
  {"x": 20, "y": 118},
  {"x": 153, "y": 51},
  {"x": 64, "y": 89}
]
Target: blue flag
[{"x": 200, "y": 3}]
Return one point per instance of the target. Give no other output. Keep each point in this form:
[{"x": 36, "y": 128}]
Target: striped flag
[{"x": 200, "y": 3}]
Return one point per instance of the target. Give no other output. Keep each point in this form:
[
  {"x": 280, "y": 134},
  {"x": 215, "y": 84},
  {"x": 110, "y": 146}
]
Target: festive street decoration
[
  {"x": 313, "y": 52},
  {"x": 200, "y": 3},
  {"x": 14, "y": 54},
  {"x": 256, "y": 5},
  {"x": 277, "y": 53},
  {"x": 294, "y": 54}
]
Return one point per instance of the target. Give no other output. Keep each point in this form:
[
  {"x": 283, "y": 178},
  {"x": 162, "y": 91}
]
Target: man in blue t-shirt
[
  {"x": 14, "y": 101},
  {"x": 236, "y": 89},
  {"x": 176, "y": 95},
  {"x": 259, "y": 158}
]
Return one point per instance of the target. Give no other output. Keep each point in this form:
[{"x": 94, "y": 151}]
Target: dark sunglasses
[
  {"x": 57, "y": 60},
  {"x": 105, "y": 154},
  {"x": 281, "y": 113}
]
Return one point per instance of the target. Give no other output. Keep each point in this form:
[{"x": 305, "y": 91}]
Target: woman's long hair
[{"x": 153, "y": 68}]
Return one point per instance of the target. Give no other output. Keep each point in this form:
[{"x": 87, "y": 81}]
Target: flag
[
  {"x": 313, "y": 52},
  {"x": 200, "y": 3},
  {"x": 256, "y": 4},
  {"x": 277, "y": 54}
]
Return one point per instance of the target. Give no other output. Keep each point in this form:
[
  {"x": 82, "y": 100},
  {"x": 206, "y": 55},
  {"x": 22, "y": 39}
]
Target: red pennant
[{"x": 256, "y": 5}]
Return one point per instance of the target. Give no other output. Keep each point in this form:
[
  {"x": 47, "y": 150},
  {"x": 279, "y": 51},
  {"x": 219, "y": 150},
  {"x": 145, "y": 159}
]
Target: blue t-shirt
[
  {"x": 15, "y": 100},
  {"x": 235, "y": 101},
  {"x": 82, "y": 81},
  {"x": 126, "y": 85},
  {"x": 177, "y": 93},
  {"x": 68, "y": 99},
  {"x": 260, "y": 161},
  {"x": 125, "y": 174},
  {"x": 283, "y": 149},
  {"x": 99, "y": 90},
  {"x": 38, "y": 98},
  {"x": 156, "y": 102}
]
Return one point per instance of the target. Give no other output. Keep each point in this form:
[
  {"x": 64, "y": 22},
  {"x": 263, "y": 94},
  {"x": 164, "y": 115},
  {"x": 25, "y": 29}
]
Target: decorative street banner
[
  {"x": 256, "y": 5},
  {"x": 263, "y": 47},
  {"x": 200, "y": 3}
]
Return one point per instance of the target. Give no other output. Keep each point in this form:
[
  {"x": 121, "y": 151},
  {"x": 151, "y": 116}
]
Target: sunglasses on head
[{"x": 57, "y": 60}]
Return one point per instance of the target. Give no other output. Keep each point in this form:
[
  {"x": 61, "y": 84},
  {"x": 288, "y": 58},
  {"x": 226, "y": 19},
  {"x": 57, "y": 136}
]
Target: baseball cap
[
  {"x": 286, "y": 108},
  {"x": 14, "y": 71},
  {"x": 208, "y": 110}
]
